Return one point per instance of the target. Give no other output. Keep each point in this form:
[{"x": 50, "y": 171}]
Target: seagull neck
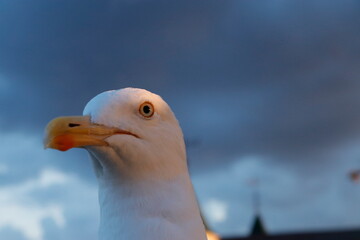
[{"x": 158, "y": 207}]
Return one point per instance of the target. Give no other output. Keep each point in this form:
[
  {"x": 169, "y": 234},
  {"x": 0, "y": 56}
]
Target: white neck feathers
[{"x": 156, "y": 210}]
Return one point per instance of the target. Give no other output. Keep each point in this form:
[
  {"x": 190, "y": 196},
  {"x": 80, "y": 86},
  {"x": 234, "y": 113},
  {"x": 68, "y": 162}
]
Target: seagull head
[{"x": 130, "y": 134}]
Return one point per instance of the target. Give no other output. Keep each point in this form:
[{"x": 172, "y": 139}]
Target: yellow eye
[{"x": 146, "y": 109}]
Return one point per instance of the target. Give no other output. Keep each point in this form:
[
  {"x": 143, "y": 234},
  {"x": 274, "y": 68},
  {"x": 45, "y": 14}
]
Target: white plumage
[{"x": 145, "y": 190}]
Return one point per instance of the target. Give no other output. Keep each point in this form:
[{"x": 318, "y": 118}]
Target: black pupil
[{"x": 146, "y": 109}]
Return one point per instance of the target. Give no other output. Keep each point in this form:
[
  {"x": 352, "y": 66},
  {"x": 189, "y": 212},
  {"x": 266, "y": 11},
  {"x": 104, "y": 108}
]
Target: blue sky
[{"x": 263, "y": 90}]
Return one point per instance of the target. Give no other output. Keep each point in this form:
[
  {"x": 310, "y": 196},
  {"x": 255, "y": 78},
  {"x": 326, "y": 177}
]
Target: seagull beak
[{"x": 64, "y": 133}]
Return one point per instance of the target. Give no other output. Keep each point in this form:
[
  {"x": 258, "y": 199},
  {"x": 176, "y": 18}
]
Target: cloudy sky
[{"x": 265, "y": 91}]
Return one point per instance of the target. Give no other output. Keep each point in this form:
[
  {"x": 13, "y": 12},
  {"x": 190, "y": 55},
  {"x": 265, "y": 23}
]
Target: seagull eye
[{"x": 146, "y": 109}]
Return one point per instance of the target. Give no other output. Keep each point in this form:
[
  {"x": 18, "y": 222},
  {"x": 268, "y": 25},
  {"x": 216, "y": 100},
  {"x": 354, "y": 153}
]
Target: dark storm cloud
[
  {"x": 242, "y": 76},
  {"x": 262, "y": 89}
]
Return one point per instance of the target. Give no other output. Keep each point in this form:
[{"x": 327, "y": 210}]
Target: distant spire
[
  {"x": 258, "y": 226},
  {"x": 256, "y": 196}
]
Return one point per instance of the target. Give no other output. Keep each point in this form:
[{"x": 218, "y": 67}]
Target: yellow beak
[{"x": 64, "y": 133}]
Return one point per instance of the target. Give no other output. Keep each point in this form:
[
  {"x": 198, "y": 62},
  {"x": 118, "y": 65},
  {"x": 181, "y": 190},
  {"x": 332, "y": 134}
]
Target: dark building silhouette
[
  {"x": 258, "y": 227},
  {"x": 331, "y": 235},
  {"x": 259, "y": 233}
]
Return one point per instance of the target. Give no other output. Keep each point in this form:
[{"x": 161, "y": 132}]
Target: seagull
[{"x": 137, "y": 149}]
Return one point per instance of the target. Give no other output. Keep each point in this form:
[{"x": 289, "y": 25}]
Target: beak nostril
[{"x": 73, "y": 125}]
